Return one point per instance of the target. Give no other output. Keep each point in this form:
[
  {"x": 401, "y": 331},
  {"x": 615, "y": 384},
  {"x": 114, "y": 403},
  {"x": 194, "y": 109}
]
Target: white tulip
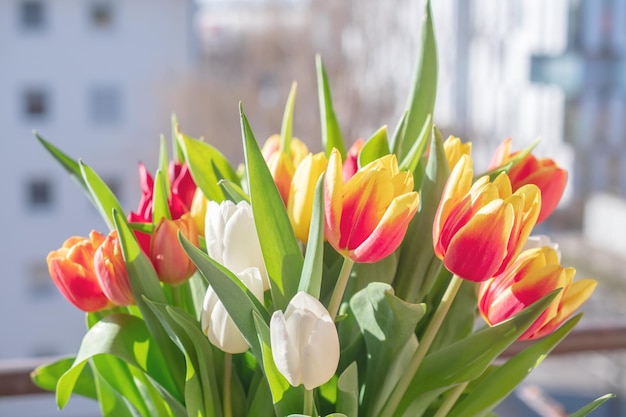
[
  {"x": 231, "y": 237},
  {"x": 217, "y": 324},
  {"x": 305, "y": 344}
]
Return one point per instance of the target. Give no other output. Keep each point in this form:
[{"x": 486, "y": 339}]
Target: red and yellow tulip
[
  {"x": 168, "y": 257},
  {"x": 367, "y": 217},
  {"x": 479, "y": 229},
  {"x": 544, "y": 173},
  {"x": 72, "y": 270},
  {"x": 301, "y": 193},
  {"x": 111, "y": 271},
  {"x": 534, "y": 274}
]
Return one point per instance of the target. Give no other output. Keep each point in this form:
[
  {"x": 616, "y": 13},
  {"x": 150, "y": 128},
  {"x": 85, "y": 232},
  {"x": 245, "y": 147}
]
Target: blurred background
[{"x": 101, "y": 79}]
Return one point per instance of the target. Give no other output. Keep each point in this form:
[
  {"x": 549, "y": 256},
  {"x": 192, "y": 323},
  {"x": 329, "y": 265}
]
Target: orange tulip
[
  {"x": 479, "y": 229},
  {"x": 544, "y": 173},
  {"x": 533, "y": 275},
  {"x": 168, "y": 257},
  {"x": 282, "y": 169},
  {"x": 111, "y": 271},
  {"x": 367, "y": 217},
  {"x": 72, "y": 270},
  {"x": 301, "y": 193}
]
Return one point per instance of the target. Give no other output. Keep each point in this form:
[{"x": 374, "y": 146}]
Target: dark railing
[{"x": 15, "y": 374}]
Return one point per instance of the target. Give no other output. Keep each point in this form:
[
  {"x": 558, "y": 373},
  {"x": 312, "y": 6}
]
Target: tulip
[
  {"x": 231, "y": 237},
  {"x": 217, "y": 324},
  {"x": 367, "y": 217},
  {"x": 111, "y": 271},
  {"x": 302, "y": 191},
  {"x": 479, "y": 229},
  {"x": 72, "y": 270},
  {"x": 533, "y": 275},
  {"x": 281, "y": 167},
  {"x": 351, "y": 164},
  {"x": 168, "y": 257},
  {"x": 454, "y": 149},
  {"x": 198, "y": 209},
  {"x": 304, "y": 341},
  {"x": 297, "y": 149},
  {"x": 544, "y": 173},
  {"x": 182, "y": 189}
]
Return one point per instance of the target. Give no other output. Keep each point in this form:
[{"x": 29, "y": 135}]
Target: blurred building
[{"x": 96, "y": 78}]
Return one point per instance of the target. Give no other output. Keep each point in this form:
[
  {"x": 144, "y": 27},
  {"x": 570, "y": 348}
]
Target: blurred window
[
  {"x": 32, "y": 14},
  {"x": 36, "y": 103},
  {"x": 39, "y": 193},
  {"x": 101, "y": 14},
  {"x": 105, "y": 104}
]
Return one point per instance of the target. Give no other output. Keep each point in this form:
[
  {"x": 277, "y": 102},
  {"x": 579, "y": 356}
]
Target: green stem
[
  {"x": 340, "y": 287},
  {"x": 308, "y": 402},
  {"x": 228, "y": 370},
  {"x": 176, "y": 295},
  {"x": 422, "y": 348},
  {"x": 451, "y": 399}
]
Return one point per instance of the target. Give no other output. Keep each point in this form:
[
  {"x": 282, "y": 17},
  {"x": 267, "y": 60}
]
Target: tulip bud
[
  {"x": 111, "y": 271},
  {"x": 198, "y": 209},
  {"x": 168, "y": 257},
  {"x": 281, "y": 168},
  {"x": 297, "y": 149},
  {"x": 454, "y": 149},
  {"x": 217, "y": 324},
  {"x": 72, "y": 270},
  {"x": 231, "y": 237},
  {"x": 302, "y": 191},
  {"x": 351, "y": 164},
  {"x": 304, "y": 341}
]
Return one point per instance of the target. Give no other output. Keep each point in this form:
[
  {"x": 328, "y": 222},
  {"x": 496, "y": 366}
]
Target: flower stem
[
  {"x": 422, "y": 348},
  {"x": 226, "y": 400},
  {"x": 340, "y": 287},
  {"x": 308, "y": 402},
  {"x": 450, "y": 400}
]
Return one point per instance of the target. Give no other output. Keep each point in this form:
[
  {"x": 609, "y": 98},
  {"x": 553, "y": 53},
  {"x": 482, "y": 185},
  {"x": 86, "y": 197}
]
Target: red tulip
[
  {"x": 479, "y": 229},
  {"x": 544, "y": 173},
  {"x": 534, "y": 274},
  {"x": 72, "y": 270},
  {"x": 351, "y": 164}
]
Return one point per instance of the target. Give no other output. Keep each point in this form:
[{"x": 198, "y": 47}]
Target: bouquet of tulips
[{"x": 342, "y": 283}]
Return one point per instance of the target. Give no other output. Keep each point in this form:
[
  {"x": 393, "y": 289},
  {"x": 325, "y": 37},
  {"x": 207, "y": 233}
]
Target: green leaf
[
  {"x": 586, "y": 410},
  {"x": 399, "y": 131},
  {"x": 287, "y": 399},
  {"x": 176, "y": 148},
  {"x": 375, "y": 147},
  {"x": 160, "y": 206},
  {"x": 145, "y": 283},
  {"x": 281, "y": 253},
  {"x": 417, "y": 265},
  {"x": 233, "y": 191},
  {"x": 125, "y": 337},
  {"x": 164, "y": 164},
  {"x": 104, "y": 199},
  {"x": 201, "y": 157},
  {"x": 47, "y": 376},
  {"x": 414, "y": 155},
  {"x": 421, "y": 100},
  {"x": 491, "y": 390},
  {"x": 387, "y": 323},
  {"x": 331, "y": 132},
  {"x": 70, "y": 165},
  {"x": 236, "y": 297},
  {"x": 286, "y": 128},
  {"x": 261, "y": 404},
  {"x": 311, "y": 278},
  {"x": 469, "y": 358},
  {"x": 348, "y": 391},
  {"x": 112, "y": 403}
]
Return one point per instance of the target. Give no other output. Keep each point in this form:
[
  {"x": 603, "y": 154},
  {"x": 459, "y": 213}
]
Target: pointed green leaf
[
  {"x": 200, "y": 159},
  {"x": 104, "y": 199},
  {"x": 414, "y": 155},
  {"x": 160, "y": 206},
  {"x": 164, "y": 164},
  {"x": 47, "y": 376},
  {"x": 311, "y": 278},
  {"x": 421, "y": 100},
  {"x": 112, "y": 403},
  {"x": 176, "y": 146},
  {"x": 586, "y": 410},
  {"x": 399, "y": 131},
  {"x": 487, "y": 394},
  {"x": 348, "y": 391},
  {"x": 286, "y": 129},
  {"x": 233, "y": 191},
  {"x": 375, "y": 147},
  {"x": 281, "y": 253},
  {"x": 331, "y": 132}
]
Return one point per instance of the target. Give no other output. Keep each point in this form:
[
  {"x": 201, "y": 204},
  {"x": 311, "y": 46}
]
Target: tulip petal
[
  {"x": 284, "y": 351},
  {"x": 333, "y": 192},
  {"x": 320, "y": 355}
]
